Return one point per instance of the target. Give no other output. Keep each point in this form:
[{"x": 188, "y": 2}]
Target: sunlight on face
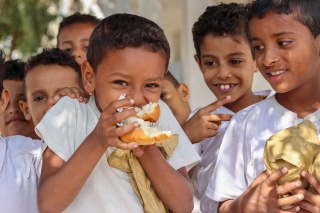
[
  {"x": 136, "y": 72},
  {"x": 42, "y": 83}
]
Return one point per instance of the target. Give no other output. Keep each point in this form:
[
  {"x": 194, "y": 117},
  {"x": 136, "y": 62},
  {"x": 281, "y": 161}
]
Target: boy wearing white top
[
  {"x": 285, "y": 36},
  {"x": 20, "y": 167},
  {"x": 227, "y": 62},
  {"x": 127, "y": 54},
  {"x": 21, "y": 157}
]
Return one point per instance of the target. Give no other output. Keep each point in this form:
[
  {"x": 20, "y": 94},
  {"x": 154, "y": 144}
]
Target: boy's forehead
[
  {"x": 41, "y": 71},
  {"x": 209, "y": 40},
  {"x": 13, "y": 85},
  {"x": 275, "y": 23},
  {"x": 132, "y": 52}
]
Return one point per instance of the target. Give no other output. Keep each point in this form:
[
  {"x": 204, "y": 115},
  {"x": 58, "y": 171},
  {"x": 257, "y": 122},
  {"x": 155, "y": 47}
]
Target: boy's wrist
[{"x": 94, "y": 138}]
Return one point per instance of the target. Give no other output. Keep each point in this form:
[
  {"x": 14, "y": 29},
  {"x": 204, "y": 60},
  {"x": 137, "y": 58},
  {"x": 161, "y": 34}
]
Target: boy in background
[
  {"x": 50, "y": 75},
  {"x": 74, "y": 33},
  {"x": 127, "y": 54},
  {"x": 176, "y": 95},
  {"x": 12, "y": 121},
  {"x": 285, "y": 35},
  {"x": 21, "y": 157},
  {"x": 227, "y": 62}
]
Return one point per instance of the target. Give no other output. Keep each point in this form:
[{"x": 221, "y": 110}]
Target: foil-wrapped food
[{"x": 295, "y": 148}]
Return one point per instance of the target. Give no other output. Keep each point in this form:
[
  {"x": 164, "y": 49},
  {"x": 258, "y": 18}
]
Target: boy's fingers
[
  {"x": 312, "y": 180},
  {"x": 220, "y": 117},
  {"x": 288, "y": 187},
  {"x": 290, "y": 200},
  {"x": 275, "y": 177},
  {"x": 112, "y": 108},
  {"x": 120, "y": 116},
  {"x": 215, "y": 105},
  {"x": 262, "y": 177}
]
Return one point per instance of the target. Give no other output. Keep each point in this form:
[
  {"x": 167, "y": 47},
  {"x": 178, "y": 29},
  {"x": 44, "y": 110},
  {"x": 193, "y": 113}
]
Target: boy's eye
[
  {"x": 210, "y": 63},
  {"x": 120, "y": 82},
  {"x": 284, "y": 43},
  {"x": 258, "y": 47},
  {"x": 163, "y": 95},
  {"x": 39, "y": 98},
  {"x": 235, "y": 61},
  {"x": 68, "y": 50},
  {"x": 152, "y": 85},
  {"x": 85, "y": 48}
]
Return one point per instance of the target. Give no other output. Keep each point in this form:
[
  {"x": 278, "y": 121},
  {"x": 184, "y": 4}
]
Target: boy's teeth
[
  {"x": 277, "y": 73},
  {"x": 225, "y": 86}
]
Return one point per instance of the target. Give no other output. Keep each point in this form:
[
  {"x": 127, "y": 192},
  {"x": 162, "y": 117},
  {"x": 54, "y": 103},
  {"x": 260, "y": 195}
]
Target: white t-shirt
[
  {"x": 240, "y": 159},
  {"x": 20, "y": 168},
  {"x": 208, "y": 150},
  {"x": 107, "y": 189}
]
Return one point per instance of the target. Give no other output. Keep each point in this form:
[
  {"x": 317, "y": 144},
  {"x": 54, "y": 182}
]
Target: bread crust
[
  {"x": 148, "y": 113},
  {"x": 150, "y": 116},
  {"x": 137, "y": 135}
]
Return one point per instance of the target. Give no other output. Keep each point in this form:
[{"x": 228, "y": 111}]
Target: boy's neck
[
  {"x": 302, "y": 104},
  {"x": 244, "y": 101}
]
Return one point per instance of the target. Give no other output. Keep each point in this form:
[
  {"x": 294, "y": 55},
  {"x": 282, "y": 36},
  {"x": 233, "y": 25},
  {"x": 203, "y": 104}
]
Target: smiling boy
[
  {"x": 127, "y": 54},
  {"x": 12, "y": 120},
  {"x": 285, "y": 36}
]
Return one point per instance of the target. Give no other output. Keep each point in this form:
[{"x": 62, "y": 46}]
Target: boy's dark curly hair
[
  {"x": 2, "y": 59},
  {"x": 12, "y": 70},
  {"x": 77, "y": 18},
  {"x": 168, "y": 76},
  {"x": 221, "y": 20},
  {"x": 122, "y": 30},
  {"x": 306, "y": 11},
  {"x": 54, "y": 56}
]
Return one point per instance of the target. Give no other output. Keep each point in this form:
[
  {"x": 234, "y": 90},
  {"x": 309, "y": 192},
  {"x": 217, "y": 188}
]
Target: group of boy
[{"x": 68, "y": 168}]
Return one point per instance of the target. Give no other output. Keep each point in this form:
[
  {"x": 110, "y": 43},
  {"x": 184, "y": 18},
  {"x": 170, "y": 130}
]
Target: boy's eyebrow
[
  {"x": 36, "y": 91},
  {"x": 230, "y": 54},
  {"x": 273, "y": 35},
  {"x": 70, "y": 42},
  {"x": 127, "y": 76}
]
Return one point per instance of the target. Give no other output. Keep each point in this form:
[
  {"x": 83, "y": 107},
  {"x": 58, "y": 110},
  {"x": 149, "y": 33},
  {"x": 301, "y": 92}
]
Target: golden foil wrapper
[{"x": 294, "y": 148}]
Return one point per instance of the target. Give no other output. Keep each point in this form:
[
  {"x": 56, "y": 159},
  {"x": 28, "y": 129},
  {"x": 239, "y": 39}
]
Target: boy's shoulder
[
  {"x": 254, "y": 111},
  {"x": 67, "y": 104},
  {"x": 18, "y": 145}
]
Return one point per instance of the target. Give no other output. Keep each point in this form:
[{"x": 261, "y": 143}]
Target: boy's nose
[
  {"x": 50, "y": 103},
  {"x": 270, "y": 57},
  {"x": 224, "y": 73},
  {"x": 13, "y": 107},
  {"x": 78, "y": 55},
  {"x": 138, "y": 97}
]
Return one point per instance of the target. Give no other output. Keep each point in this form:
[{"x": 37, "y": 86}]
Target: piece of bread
[
  {"x": 145, "y": 134},
  {"x": 149, "y": 112}
]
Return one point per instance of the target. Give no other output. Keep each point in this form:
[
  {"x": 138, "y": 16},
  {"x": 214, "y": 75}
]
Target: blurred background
[{"x": 27, "y": 26}]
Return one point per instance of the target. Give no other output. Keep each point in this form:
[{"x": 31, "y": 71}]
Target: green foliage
[{"x": 23, "y": 23}]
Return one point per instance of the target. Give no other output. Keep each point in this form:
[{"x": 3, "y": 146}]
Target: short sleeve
[
  {"x": 62, "y": 125},
  {"x": 185, "y": 154}
]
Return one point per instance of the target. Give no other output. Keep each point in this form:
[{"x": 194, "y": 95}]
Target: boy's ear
[
  {"x": 88, "y": 77},
  {"x": 197, "y": 59},
  {"x": 5, "y": 98},
  {"x": 25, "y": 109},
  {"x": 184, "y": 92}
]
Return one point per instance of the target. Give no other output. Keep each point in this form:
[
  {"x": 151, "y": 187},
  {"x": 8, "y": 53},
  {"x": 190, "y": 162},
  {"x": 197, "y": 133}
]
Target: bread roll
[{"x": 145, "y": 134}]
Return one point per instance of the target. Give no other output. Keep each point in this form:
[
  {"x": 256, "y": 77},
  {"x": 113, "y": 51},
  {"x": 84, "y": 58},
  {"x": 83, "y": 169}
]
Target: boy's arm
[
  {"x": 264, "y": 196},
  {"x": 172, "y": 186},
  {"x": 60, "y": 181},
  {"x": 203, "y": 124}
]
